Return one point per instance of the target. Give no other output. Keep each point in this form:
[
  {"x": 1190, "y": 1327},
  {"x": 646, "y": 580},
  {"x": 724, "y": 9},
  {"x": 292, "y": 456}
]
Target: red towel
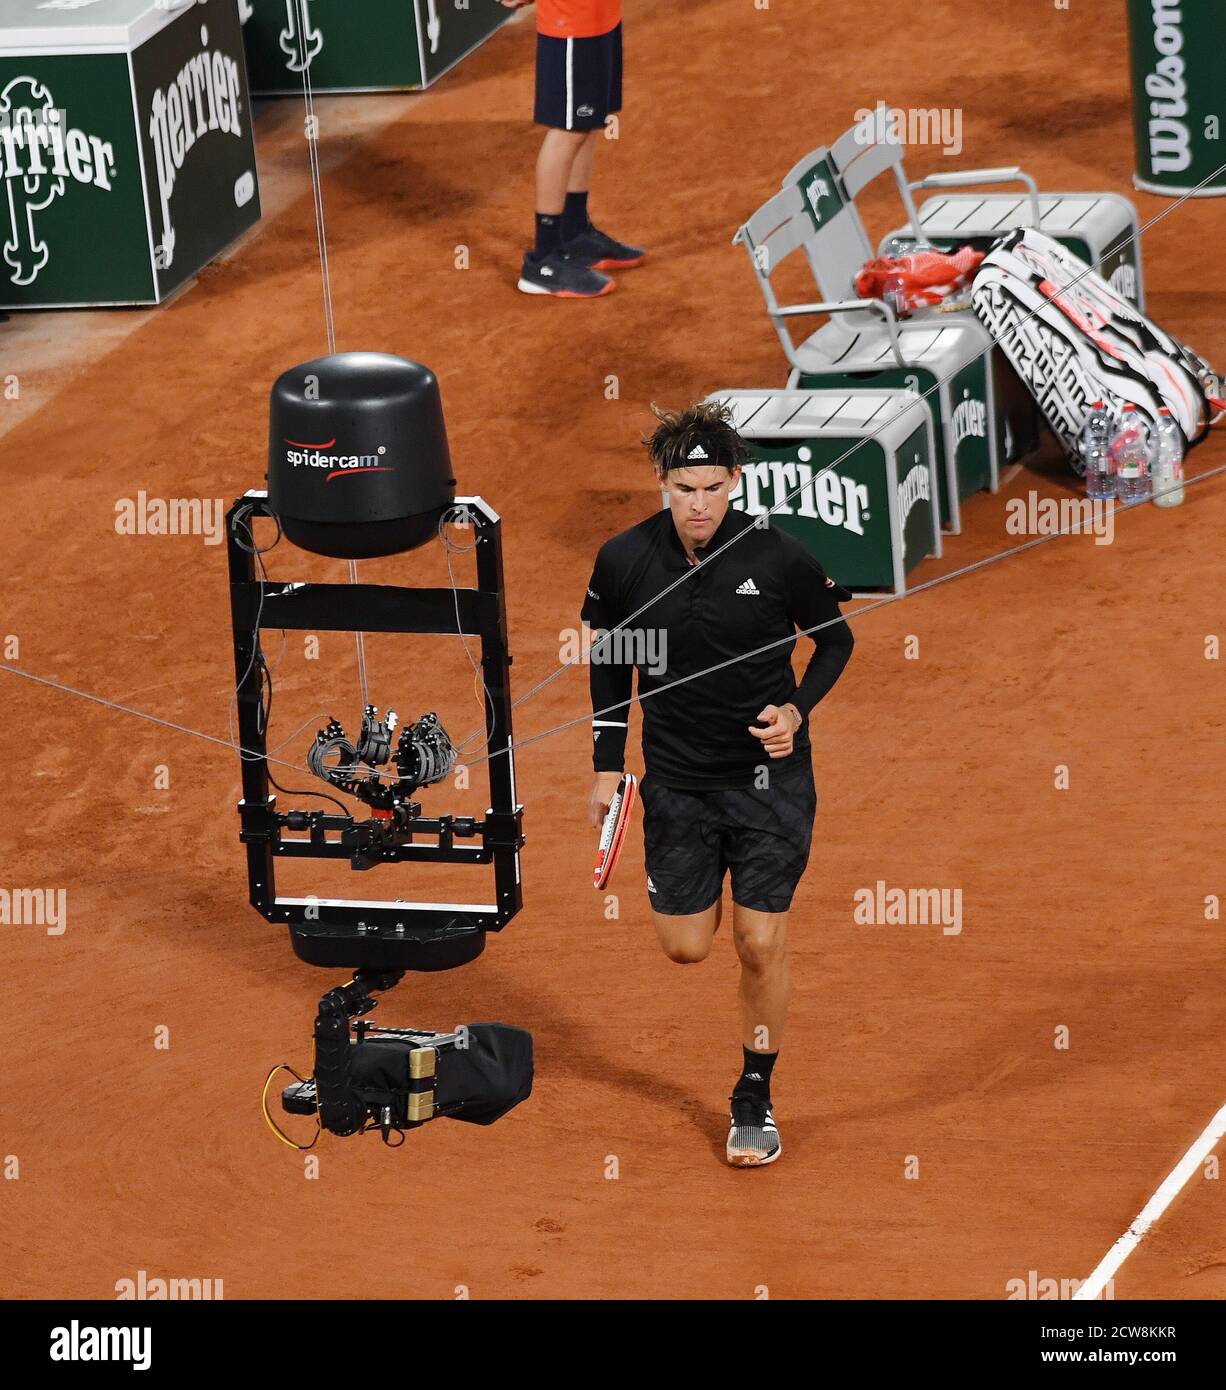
[{"x": 924, "y": 278}]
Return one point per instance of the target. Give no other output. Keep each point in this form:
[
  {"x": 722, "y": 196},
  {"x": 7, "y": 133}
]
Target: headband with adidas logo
[{"x": 697, "y": 452}]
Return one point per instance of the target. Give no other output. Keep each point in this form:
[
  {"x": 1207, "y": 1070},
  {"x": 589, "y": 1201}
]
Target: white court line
[{"x": 1153, "y": 1209}]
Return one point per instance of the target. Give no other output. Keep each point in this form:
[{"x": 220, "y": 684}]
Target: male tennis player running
[{"x": 729, "y": 781}]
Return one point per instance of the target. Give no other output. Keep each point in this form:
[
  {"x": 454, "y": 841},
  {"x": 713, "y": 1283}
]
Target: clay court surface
[{"x": 1083, "y": 908}]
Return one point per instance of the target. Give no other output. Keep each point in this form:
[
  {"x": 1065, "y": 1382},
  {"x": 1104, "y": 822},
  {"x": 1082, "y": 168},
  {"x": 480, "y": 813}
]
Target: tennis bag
[{"x": 1073, "y": 341}]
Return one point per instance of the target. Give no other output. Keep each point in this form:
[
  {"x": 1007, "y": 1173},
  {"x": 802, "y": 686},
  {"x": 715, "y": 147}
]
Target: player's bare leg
[
  {"x": 687, "y": 940},
  {"x": 760, "y": 939},
  {"x": 592, "y": 246},
  {"x": 555, "y": 165},
  {"x": 564, "y": 164},
  {"x": 580, "y": 180}
]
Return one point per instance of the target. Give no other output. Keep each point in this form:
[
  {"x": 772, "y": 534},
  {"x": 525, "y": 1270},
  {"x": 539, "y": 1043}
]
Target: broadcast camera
[{"x": 359, "y": 467}]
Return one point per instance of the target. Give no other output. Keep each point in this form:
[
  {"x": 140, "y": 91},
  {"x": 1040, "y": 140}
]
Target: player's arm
[
  {"x": 611, "y": 686},
  {"x": 813, "y": 602}
]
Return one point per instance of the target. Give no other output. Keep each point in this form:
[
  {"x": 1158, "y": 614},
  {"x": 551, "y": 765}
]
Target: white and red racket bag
[{"x": 1073, "y": 341}]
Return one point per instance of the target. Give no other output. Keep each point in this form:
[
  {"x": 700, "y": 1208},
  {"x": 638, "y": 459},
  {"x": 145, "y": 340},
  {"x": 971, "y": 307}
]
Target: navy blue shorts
[
  {"x": 578, "y": 81},
  {"x": 693, "y": 838}
]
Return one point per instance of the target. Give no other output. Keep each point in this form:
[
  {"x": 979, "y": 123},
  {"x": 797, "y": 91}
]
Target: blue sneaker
[
  {"x": 594, "y": 248},
  {"x": 560, "y": 275}
]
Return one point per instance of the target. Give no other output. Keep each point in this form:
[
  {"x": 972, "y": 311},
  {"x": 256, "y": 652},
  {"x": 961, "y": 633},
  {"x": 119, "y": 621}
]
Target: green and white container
[
  {"x": 361, "y": 45},
  {"x": 125, "y": 148},
  {"x": 1178, "y": 54},
  {"x": 851, "y": 474}
]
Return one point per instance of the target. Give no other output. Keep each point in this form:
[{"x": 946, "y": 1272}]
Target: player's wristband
[{"x": 609, "y": 745}]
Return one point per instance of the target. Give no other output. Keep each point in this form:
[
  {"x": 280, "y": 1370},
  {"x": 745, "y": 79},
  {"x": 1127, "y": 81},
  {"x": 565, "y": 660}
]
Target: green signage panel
[
  {"x": 74, "y": 212},
  {"x": 125, "y": 148},
  {"x": 361, "y": 45},
  {"x": 1178, "y": 54},
  {"x": 845, "y": 514}
]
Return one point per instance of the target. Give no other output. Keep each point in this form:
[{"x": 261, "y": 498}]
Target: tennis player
[
  {"x": 728, "y": 785},
  {"x": 578, "y": 87}
]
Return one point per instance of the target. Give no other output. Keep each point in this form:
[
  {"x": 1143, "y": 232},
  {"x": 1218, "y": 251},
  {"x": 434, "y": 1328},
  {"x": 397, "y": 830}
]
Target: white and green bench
[
  {"x": 851, "y": 474},
  {"x": 1100, "y": 228},
  {"x": 946, "y": 358}
]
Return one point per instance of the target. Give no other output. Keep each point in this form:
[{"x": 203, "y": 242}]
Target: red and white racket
[{"x": 613, "y": 831}]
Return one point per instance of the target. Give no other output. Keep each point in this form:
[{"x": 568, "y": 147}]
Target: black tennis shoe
[
  {"x": 596, "y": 249},
  {"x": 562, "y": 276}
]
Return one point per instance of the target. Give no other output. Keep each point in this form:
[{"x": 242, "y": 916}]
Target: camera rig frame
[{"x": 378, "y": 935}]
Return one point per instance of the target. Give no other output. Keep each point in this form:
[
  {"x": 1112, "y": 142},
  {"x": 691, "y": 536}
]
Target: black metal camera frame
[{"x": 360, "y": 933}]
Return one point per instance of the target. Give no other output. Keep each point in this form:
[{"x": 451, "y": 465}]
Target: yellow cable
[{"x": 268, "y": 1120}]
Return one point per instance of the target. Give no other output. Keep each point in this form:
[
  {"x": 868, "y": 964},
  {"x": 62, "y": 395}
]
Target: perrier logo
[
  {"x": 205, "y": 95},
  {"x": 40, "y": 153}
]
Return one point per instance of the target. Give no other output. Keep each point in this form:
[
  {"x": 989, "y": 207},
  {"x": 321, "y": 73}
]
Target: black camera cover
[{"x": 481, "y": 1072}]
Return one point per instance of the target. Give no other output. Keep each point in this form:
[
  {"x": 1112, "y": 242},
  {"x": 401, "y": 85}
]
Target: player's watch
[{"x": 800, "y": 719}]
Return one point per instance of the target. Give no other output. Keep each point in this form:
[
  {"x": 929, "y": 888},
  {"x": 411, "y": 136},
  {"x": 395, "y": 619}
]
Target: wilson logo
[{"x": 1170, "y": 137}]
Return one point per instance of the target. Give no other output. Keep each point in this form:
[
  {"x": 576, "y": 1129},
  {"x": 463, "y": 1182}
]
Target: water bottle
[
  {"x": 1168, "y": 461},
  {"x": 1131, "y": 456},
  {"x": 894, "y": 293},
  {"x": 906, "y": 245},
  {"x": 1094, "y": 446}
]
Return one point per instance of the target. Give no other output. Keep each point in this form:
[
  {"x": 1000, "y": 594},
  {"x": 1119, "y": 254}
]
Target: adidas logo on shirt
[
  {"x": 697, "y": 452},
  {"x": 651, "y": 887},
  {"x": 749, "y": 587}
]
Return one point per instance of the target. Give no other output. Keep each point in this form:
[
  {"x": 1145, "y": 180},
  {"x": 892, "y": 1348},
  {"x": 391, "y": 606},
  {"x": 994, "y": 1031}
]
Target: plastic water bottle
[
  {"x": 1132, "y": 456},
  {"x": 894, "y": 293},
  {"x": 906, "y": 245},
  {"x": 1094, "y": 446},
  {"x": 1168, "y": 461}
]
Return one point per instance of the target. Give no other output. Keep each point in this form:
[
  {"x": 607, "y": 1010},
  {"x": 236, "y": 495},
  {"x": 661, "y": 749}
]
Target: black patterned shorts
[{"x": 693, "y": 838}]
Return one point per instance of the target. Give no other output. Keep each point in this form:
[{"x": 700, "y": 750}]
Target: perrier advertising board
[
  {"x": 125, "y": 148},
  {"x": 361, "y": 45}
]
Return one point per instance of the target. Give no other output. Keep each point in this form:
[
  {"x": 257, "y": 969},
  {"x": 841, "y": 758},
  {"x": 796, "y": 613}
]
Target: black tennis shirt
[{"x": 758, "y": 591}]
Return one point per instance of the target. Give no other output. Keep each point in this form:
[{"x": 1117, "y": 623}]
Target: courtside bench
[
  {"x": 1100, "y": 228},
  {"x": 873, "y": 514},
  {"x": 125, "y": 147}
]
